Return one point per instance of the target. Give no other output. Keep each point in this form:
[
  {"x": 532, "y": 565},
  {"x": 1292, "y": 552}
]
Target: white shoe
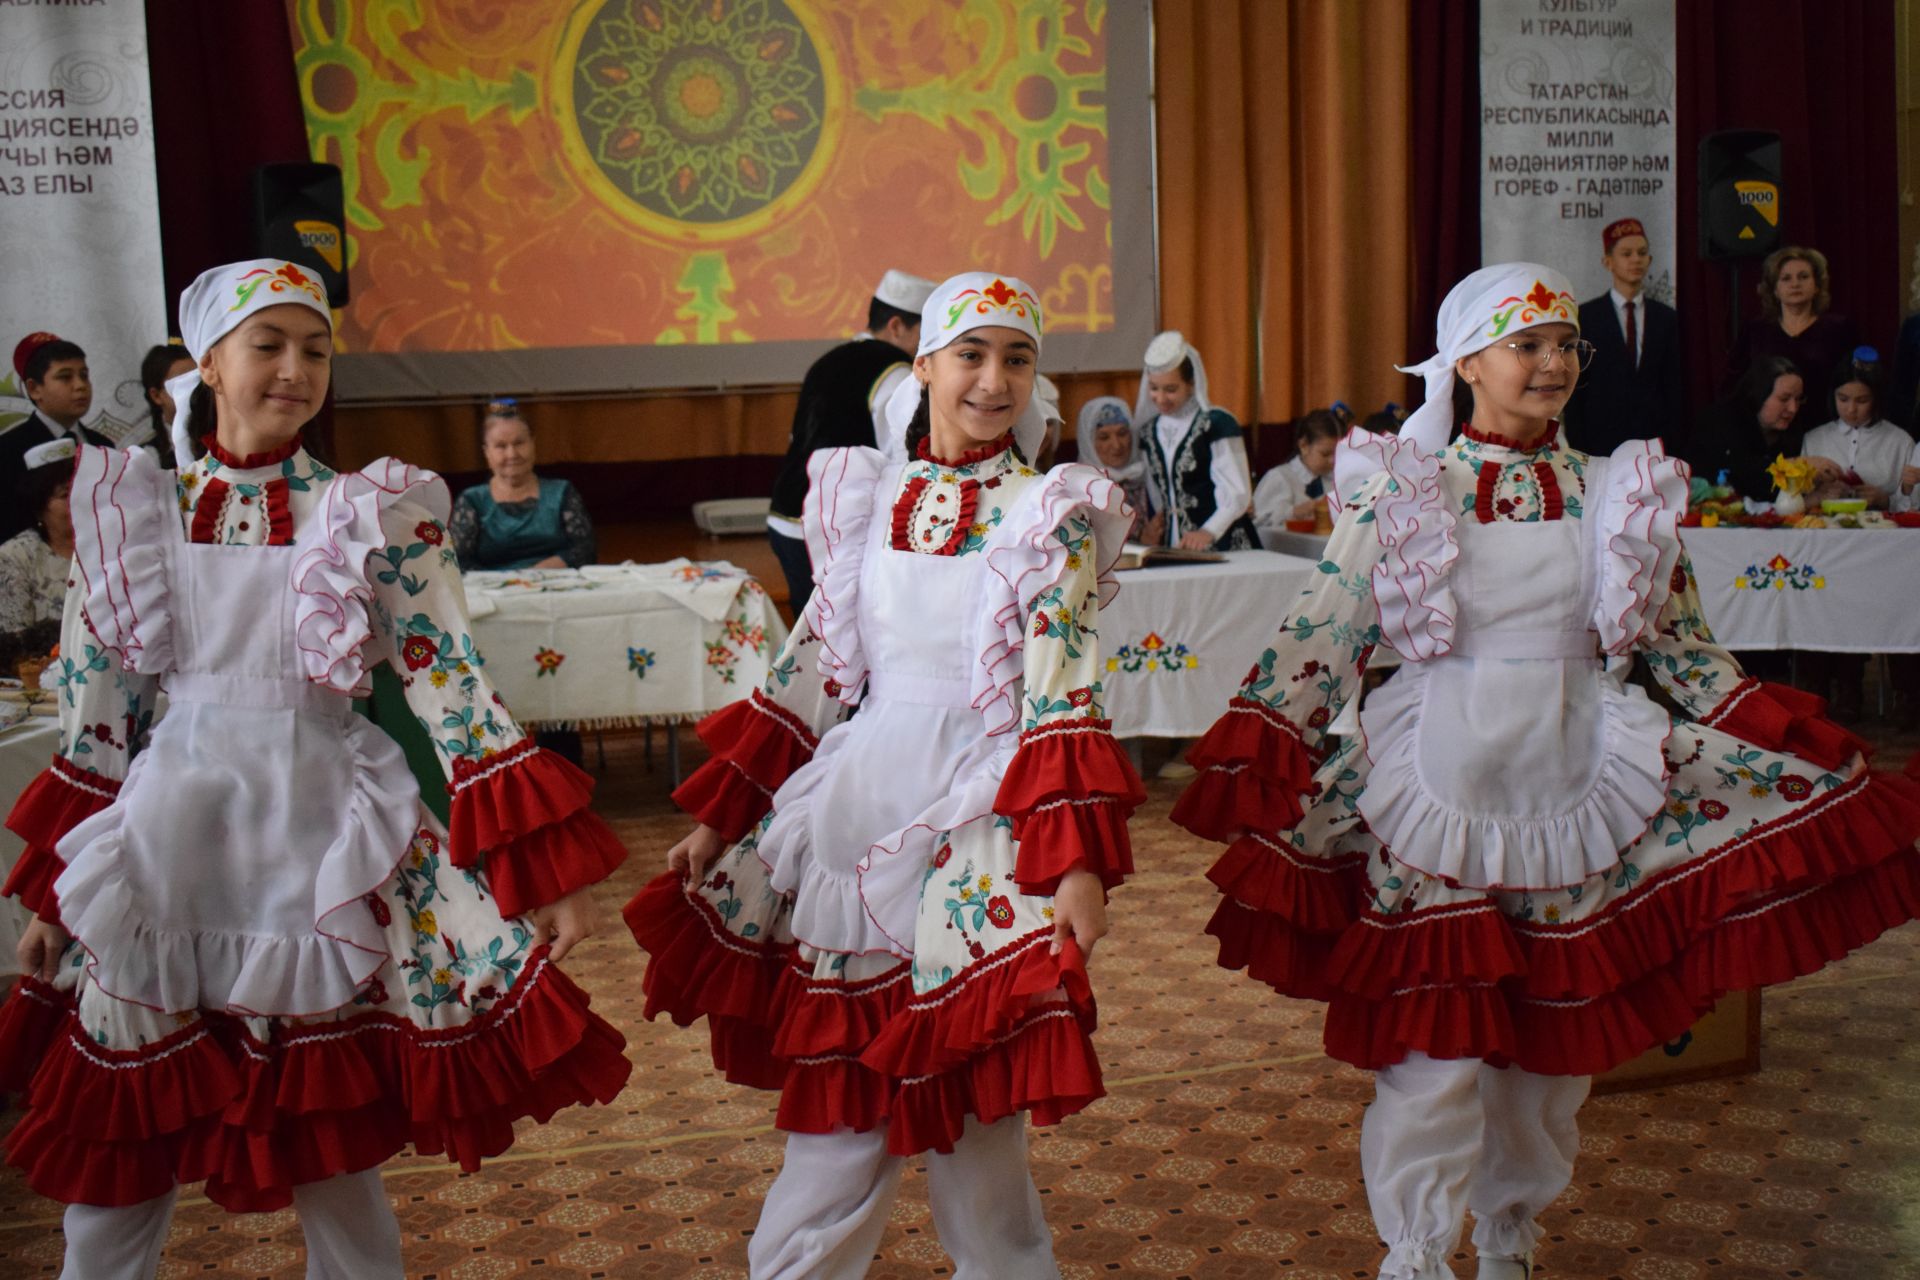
[
  {"x": 1177, "y": 769},
  {"x": 1505, "y": 1268}
]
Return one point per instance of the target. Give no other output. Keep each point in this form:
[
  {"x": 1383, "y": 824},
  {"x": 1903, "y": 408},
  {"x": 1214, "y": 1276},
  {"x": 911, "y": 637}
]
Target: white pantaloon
[
  {"x": 349, "y": 1225},
  {"x": 826, "y": 1211},
  {"x": 1443, "y": 1137}
]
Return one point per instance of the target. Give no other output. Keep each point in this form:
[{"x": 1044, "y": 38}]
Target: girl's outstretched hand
[
  {"x": 1079, "y": 911},
  {"x": 692, "y": 856}
]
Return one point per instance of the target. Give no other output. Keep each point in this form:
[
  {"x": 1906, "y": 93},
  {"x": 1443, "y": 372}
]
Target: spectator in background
[
  {"x": 1106, "y": 436},
  {"x": 1795, "y": 322},
  {"x": 1196, "y": 454},
  {"x": 843, "y": 401},
  {"x": 52, "y": 372},
  {"x": 1292, "y": 490},
  {"x": 1758, "y": 421},
  {"x": 1633, "y": 390},
  {"x": 1870, "y": 452},
  {"x": 161, "y": 363},
  {"x": 34, "y": 562},
  {"x": 518, "y": 520}
]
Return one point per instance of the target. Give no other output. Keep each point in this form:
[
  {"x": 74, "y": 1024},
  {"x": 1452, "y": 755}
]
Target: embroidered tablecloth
[
  {"x": 1179, "y": 639},
  {"x": 614, "y": 646},
  {"x": 1841, "y": 590}
]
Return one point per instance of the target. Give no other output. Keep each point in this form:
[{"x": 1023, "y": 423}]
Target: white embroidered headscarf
[
  {"x": 1103, "y": 411},
  {"x": 977, "y": 300},
  {"x": 1488, "y": 306},
  {"x": 215, "y": 304},
  {"x": 1164, "y": 355}
]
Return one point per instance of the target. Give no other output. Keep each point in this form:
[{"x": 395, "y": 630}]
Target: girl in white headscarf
[
  {"x": 258, "y": 960},
  {"x": 1521, "y": 871},
  {"x": 1196, "y": 456},
  {"x": 885, "y": 917}
]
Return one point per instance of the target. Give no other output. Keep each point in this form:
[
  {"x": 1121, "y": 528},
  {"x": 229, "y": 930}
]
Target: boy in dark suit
[
  {"x": 1633, "y": 390},
  {"x": 52, "y": 373}
]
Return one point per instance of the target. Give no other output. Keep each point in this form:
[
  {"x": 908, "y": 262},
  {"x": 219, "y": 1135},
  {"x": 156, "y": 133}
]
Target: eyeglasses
[{"x": 1538, "y": 353}]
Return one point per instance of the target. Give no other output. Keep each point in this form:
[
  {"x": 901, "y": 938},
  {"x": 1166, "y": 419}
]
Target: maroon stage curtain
[
  {"x": 1444, "y": 128},
  {"x": 225, "y": 101},
  {"x": 1822, "y": 76}
]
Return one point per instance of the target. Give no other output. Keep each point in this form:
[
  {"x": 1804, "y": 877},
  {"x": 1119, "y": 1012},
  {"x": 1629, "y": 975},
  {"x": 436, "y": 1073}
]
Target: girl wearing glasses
[{"x": 1516, "y": 870}]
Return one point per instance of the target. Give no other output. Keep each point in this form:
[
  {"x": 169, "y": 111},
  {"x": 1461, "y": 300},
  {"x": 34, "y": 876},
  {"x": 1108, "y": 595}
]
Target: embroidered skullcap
[
  {"x": 50, "y": 454},
  {"x": 216, "y": 304},
  {"x": 903, "y": 291},
  {"x": 28, "y": 345},
  {"x": 1614, "y": 232},
  {"x": 969, "y": 301},
  {"x": 1165, "y": 354}
]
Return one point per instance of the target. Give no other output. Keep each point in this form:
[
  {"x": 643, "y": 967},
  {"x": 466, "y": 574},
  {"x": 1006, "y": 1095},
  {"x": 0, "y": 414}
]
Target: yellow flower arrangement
[{"x": 1791, "y": 475}]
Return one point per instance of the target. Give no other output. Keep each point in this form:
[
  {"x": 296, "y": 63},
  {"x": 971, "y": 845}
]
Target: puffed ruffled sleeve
[
  {"x": 115, "y": 634},
  {"x": 1258, "y": 760},
  {"x": 382, "y": 584},
  {"x": 1644, "y": 501},
  {"x": 757, "y": 743},
  {"x": 1070, "y": 787}
]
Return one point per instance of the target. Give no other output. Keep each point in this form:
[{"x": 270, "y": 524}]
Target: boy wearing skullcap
[
  {"x": 1635, "y": 389},
  {"x": 52, "y": 373}
]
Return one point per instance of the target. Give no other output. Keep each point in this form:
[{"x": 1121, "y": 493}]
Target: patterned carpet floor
[{"x": 1227, "y": 1147}]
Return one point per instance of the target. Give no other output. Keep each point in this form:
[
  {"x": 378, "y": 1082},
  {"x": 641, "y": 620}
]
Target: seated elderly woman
[
  {"x": 518, "y": 520},
  {"x": 33, "y": 563}
]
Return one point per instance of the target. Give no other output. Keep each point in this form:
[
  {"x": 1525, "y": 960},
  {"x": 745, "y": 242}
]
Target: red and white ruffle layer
[
  {"x": 1011, "y": 1033},
  {"x": 254, "y": 1119}
]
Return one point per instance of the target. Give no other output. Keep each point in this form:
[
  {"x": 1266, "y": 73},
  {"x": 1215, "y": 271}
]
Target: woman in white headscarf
[
  {"x": 884, "y": 916},
  {"x": 1196, "y": 456},
  {"x": 258, "y": 960},
  {"x": 1109, "y": 442},
  {"x": 1521, "y": 871}
]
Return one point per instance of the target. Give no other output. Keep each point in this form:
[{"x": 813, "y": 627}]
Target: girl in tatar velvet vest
[
  {"x": 1521, "y": 871},
  {"x": 1196, "y": 456},
  {"x": 886, "y": 917},
  {"x": 258, "y": 960}
]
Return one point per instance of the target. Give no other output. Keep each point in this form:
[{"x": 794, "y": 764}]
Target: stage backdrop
[
  {"x": 608, "y": 195},
  {"x": 1576, "y": 131},
  {"x": 79, "y": 235}
]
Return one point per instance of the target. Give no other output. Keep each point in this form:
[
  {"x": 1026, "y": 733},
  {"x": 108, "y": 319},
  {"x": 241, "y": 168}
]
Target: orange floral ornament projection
[{"x": 618, "y": 172}]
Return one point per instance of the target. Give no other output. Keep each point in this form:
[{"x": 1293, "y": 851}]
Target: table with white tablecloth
[
  {"x": 25, "y": 749},
  {"x": 1179, "y": 638},
  {"x": 612, "y": 646},
  {"x": 1839, "y": 590}
]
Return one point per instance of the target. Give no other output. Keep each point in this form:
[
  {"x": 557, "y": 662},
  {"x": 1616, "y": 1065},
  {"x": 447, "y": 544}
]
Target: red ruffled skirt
[
  {"x": 1760, "y": 867},
  {"x": 982, "y": 1022}
]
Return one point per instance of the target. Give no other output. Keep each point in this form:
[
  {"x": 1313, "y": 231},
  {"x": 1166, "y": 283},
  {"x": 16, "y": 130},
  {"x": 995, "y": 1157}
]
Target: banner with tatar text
[
  {"x": 1577, "y": 131},
  {"x": 79, "y": 219}
]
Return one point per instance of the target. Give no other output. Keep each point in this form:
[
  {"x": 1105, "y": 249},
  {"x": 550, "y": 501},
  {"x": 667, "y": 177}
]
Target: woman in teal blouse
[{"x": 518, "y": 520}]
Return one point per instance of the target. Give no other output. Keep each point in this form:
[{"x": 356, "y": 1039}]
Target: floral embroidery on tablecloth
[
  {"x": 548, "y": 660},
  {"x": 638, "y": 660},
  {"x": 1152, "y": 653},
  {"x": 1778, "y": 574}
]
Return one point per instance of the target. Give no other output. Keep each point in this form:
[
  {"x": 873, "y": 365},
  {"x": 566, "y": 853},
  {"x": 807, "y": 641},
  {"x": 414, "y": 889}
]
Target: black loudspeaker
[
  {"x": 1740, "y": 199},
  {"x": 299, "y": 213}
]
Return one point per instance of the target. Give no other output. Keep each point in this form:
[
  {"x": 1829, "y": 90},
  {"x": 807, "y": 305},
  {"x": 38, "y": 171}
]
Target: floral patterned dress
[
  {"x": 875, "y": 942},
  {"x": 283, "y": 967},
  {"x": 1515, "y": 854}
]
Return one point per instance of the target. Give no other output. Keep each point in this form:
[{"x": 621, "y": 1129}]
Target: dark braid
[{"x": 921, "y": 426}]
